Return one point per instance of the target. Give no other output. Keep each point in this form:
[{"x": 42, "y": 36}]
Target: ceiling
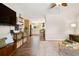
[
  {"x": 37, "y": 10},
  {"x": 29, "y": 9}
]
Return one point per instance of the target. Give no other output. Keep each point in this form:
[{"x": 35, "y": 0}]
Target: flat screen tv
[{"x": 7, "y": 15}]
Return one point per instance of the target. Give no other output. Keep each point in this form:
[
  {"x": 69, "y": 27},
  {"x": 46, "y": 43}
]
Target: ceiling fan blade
[
  {"x": 52, "y": 5},
  {"x": 64, "y": 4}
]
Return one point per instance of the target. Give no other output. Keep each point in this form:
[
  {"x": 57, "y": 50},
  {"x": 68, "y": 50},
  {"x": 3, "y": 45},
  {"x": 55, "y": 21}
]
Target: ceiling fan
[{"x": 52, "y": 5}]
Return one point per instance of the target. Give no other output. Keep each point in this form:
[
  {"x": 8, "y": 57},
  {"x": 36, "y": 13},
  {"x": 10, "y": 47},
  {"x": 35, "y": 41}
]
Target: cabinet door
[
  {"x": 9, "y": 49},
  {"x": 14, "y": 46},
  {"x": 6, "y": 51},
  {"x": 1, "y": 52}
]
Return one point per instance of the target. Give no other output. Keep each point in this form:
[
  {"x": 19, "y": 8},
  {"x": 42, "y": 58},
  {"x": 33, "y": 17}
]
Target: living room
[{"x": 60, "y": 30}]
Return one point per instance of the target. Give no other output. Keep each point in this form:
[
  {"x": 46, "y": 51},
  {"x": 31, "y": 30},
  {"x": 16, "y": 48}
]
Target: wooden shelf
[{"x": 10, "y": 48}]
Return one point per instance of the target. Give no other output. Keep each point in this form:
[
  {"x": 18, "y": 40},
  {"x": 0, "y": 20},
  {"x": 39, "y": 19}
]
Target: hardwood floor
[
  {"x": 48, "y": 48},
  {"x": 35, "y": 47}
]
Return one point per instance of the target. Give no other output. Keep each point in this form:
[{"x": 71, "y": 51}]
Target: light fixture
[
  {"x": 52, "y": 5},
  {"x": 57, "y": 4},
  {"x": 73, "y": 25}
]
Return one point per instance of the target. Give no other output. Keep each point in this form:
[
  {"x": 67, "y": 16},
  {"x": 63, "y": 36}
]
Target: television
[{"x": 7, "y": 15}]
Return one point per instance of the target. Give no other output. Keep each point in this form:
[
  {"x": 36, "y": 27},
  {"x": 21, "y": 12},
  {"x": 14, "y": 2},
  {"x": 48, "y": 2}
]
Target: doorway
[{"x": 38, "y": 29}]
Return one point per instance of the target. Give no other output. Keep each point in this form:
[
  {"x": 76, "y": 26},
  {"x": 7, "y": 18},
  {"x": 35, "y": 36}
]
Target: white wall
[
  {"x": 5, "y": 30},
  {"x": 77, "y": 22},
  {"x": 58, "y": 26}
]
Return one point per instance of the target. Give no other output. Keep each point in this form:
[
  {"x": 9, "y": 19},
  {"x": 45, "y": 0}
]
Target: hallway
[{"x": 35, "y": 47}]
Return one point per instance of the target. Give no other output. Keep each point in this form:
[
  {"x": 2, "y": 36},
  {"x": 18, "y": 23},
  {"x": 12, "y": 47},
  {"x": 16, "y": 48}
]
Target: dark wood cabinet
[
  {"x": 7, "y": 50},
  {"x": 19, "y": 40}
]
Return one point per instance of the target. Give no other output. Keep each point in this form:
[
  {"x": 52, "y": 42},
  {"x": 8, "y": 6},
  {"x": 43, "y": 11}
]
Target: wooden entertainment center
[
  {"x": 9, "y": 49},
  {"x": 8, "y": 17}
]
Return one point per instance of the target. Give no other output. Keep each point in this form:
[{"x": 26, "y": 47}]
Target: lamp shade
[{"x": 73, "y": 25}]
